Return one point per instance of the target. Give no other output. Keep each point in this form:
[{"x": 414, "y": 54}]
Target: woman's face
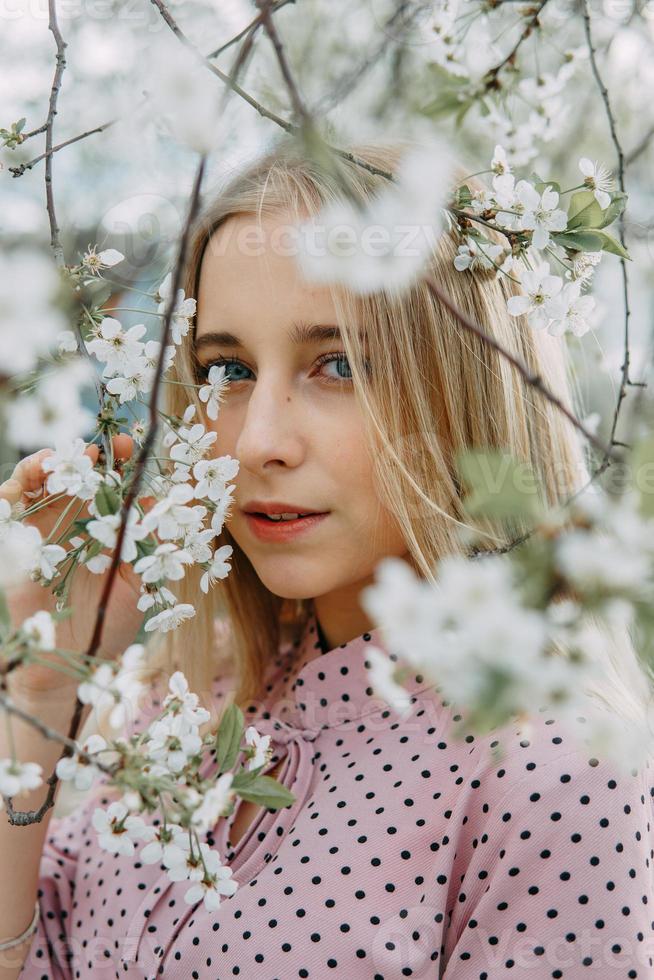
[{"x": 292, "y": 422}]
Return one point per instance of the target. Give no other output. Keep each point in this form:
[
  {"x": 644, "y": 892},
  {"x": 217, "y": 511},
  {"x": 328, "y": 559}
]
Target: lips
[{"x": 281, "y": 531}]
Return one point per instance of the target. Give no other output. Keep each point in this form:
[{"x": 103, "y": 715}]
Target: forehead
[{"x": 250, "y": 271}]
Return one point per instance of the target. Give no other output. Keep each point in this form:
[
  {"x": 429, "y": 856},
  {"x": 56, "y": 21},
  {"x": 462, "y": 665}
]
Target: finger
[
  {"x": 11, "y": 490},
  {"x": 29, "y": 471},
  {"x": 123, "y": 446}
]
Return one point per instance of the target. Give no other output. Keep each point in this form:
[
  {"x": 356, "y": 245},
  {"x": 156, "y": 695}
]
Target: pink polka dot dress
[{"x": 407, "y": 853}]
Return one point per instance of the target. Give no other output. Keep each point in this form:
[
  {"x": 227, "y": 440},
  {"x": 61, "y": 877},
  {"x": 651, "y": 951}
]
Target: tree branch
[
  {"x": 52, "y": 111},
  {"x": 625, "y": 381}
]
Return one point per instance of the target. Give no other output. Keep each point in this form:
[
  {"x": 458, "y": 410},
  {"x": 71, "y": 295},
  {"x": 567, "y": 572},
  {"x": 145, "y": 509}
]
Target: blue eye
[{"x": 234, "y": 363}]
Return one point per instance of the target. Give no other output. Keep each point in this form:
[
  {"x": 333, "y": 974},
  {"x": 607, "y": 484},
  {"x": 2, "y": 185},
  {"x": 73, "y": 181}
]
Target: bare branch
[
  {"x": 262, "y": 110},
  {"x": 625, "y": 381},
  {"x": 145, "y": 451},
  {"x": 52, "y": 112},
  {"x": 22, "y": 167},
  {"x": 534, "y": 380},
  {"x": 490, "y": 79},
  {"x": 252, "y": 25}
]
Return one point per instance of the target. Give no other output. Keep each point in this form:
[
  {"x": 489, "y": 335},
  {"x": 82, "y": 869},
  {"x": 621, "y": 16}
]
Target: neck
[{"x": 340, "y": 620}]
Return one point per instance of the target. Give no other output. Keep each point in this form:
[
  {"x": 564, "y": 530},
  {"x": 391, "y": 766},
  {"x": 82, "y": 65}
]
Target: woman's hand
[{"x": 122, "y": 618}]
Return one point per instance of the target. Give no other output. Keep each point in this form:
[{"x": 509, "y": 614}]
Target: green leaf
[
  {"x": 107, "y": 500},
  {"x": 540, "y": 185},
  {"x": 584, "y": 211},
  {"x": 20, "y": 125},
  {"x": 499, "y": 486},
  {"x": 614, "y": 210},
  {"x": 642, "y": 469},
  {"x": 5, "y": 618},
  {"x": 464, "y": 196},
  {"x": 612, "y": 245},
  {"x": 145, "y": 547},
  {"x": 444, "y": 104},
  {"x": 445, "y": 77},
  {"x": 463, "y": 111},
  {"x": 583, "y": 240},
  {"x": 228, "y": 738},
  {"x": 266, "y": 791}
]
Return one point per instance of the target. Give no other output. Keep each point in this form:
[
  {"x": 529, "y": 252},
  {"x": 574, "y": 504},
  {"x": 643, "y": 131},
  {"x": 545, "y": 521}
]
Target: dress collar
[{"x": 314, "y": 689}]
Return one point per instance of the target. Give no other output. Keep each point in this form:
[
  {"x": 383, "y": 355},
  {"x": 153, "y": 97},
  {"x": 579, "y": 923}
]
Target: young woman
[{"x": 406, "y": 852}]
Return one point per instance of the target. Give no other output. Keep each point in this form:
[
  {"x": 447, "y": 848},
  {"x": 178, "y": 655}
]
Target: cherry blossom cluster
[
  {"x": 168, "y": 769},
  {"x": 463, "y": 47},
  {"x": 537, "y": 228},
  {"x": 487, "y": 638}
]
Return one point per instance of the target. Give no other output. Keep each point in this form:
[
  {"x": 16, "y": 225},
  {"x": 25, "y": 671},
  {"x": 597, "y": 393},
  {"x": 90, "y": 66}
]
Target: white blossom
[
  {"x": 500, "y": 163},
  {"x": 164, "y": 843},
  {"x": 597, "y": 178},
  {"x": 116, "y": 347},
  {"x": 171, "y": 517},
  {"x": 94, "y": 261},
  {"x": 66, "y": 342},
  {"x": 184, "y": 702},
  {"x": 209, "y": 890},
  {"x": 185, "y": 307},
  {"x": 218, "y": 569},
  {"x": 539, "y": 289},
  {"x": 117, "y": 829},
  {"x": 475, "y": 254},
  {"x": 160, "y": 596},
  {"x": 193, "y": 444},
  {"x": 71, "y": 471},
  {"x": 20, "y": 548},
  {"x": 212, "y": 475},
  {"x": 170, "y": 619},
  {"x": 385, "y": 244},
  {"x": 52, "y": 411},
  {"x": 40, "y": 629},
  {"x": 166, "y": 562},
  {"x": 173, "y": 741},
  {"x": 19, "y": 777},
  {"x": 541, "y": 215},
  {"x": 212, "y": 392},
  {"x": 45, "y": 561},
  {"x": 82, "y": 772},
  {"x": 382, "y": 669},
  {"x": 105, "y": 529},
  {"x": 216, "y": 803},
  {"x": 196, "y": 543},
  {"x": 259, "y": 749},
  {"x": 570, "y": 311}
]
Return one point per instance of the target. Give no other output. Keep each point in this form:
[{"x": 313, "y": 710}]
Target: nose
[{"x": 272, "y": 429}]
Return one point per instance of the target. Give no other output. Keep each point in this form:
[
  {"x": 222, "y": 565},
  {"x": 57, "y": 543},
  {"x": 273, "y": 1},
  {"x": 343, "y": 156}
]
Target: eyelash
[{"x": 203, "y": 369}]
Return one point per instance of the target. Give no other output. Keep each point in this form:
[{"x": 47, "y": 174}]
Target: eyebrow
[{"x": 300, "y": 333}]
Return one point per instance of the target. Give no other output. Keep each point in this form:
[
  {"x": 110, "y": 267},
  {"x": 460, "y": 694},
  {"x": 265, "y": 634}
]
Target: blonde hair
[{"x": 436, "y": 390}]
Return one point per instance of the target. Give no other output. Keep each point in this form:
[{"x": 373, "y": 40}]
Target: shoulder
[
  {"x": 548, "y": 800},
  {"x": 547, "y": 760}
]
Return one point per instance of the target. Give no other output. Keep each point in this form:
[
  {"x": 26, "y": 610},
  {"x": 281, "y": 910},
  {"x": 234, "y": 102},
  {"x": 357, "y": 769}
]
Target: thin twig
[
  {"x": 261, "y": 109},
  {"x": 141, "y": 461},
  {"x": 490, "y": 78},
  {"x": 625, "y": 381},
  {"x": 297, "y": 101},
  {"x": 534, "y": 380},
  {"x": 253, "y": 24},
  {"x": 22, "y": 167},
  {"x": 400, "y": 20},
  {"x": 52, "y": 112}
]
